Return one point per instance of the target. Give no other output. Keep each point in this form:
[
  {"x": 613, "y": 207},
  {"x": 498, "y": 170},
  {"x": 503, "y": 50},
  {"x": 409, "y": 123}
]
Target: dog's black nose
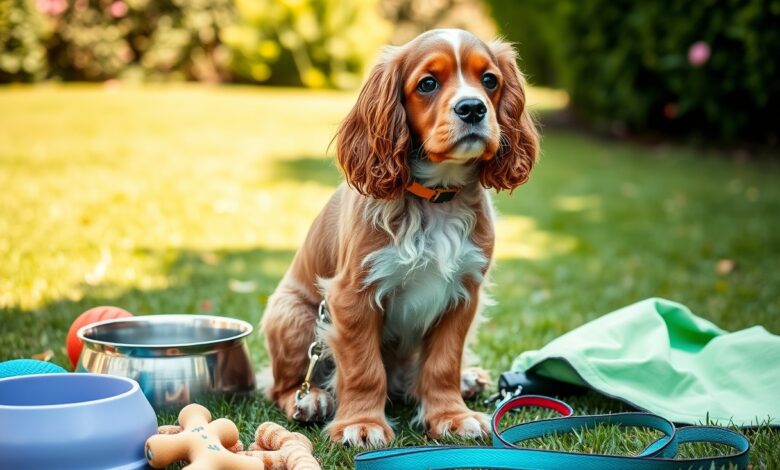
[{"x": 471, "y": 110}]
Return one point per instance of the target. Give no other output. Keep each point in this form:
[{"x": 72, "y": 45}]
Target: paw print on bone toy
[{"x": 210, "y": 445}]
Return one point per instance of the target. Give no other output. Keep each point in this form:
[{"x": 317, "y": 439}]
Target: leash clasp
[
  {"x": 314, "y": 356},
  {"x": 502, "y": 396},
  {"x": 443, "y": 195},
  {"x": 314, "y": 353}
]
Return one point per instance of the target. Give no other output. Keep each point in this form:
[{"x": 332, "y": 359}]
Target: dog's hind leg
[{"x": 289, "y": 322}]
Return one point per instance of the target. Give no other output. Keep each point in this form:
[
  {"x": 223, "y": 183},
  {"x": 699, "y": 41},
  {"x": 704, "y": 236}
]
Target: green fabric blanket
[{"x": 660, "y": 357}]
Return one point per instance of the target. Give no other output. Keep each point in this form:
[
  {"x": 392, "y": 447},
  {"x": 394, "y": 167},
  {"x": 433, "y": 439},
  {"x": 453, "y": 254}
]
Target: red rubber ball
[{"x": 89, "y": 317}]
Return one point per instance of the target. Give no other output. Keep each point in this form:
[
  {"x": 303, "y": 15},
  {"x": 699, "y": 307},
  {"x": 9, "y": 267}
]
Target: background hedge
[
  {"x": 314, "y": 43},
  {"x": 708, "y": 68},
  {"x": 23, "y": 33},
  {"x": 307, "y": 42},
  {"x": 311, "y": 43}
]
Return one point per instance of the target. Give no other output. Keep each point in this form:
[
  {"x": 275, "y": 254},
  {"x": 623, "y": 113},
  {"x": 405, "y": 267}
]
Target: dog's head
[{"x": 450, "y": 95}]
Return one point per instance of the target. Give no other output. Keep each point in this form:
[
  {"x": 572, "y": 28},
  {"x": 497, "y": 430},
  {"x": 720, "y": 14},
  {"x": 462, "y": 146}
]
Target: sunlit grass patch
[{"x": 519, "y": 237}]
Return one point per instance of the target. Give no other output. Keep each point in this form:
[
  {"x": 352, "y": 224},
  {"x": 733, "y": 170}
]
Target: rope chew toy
[
  {"x": 209, "y": 445},
  {"x": 281, "y": 449}
]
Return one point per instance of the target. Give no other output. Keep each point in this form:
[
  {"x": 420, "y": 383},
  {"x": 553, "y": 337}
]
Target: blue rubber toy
[{"x": 17, "y": 367}]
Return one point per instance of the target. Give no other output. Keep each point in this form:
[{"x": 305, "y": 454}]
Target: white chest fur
[{"x": 420, "y": 274}]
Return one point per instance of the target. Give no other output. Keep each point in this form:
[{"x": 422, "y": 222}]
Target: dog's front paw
[
  {"x": 460, "y": 422},
  {"x": 473, "y": 381},
  {"x": 314, "y": 407},
  {"x": 361, "y": 432}
]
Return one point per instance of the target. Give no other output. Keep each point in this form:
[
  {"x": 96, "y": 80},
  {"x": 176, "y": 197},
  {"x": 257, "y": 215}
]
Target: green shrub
[
  {"x": 706, "y": 68},
  {"x": 534, "y": 27},
  {"x": 99, "y": 39},
  {"x": 316, "y": 43},
  {"x": 23, "y": 32}
]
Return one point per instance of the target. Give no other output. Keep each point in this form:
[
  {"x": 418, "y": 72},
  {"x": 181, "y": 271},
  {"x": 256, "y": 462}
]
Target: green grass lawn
[{"x": 159, "y": 199}]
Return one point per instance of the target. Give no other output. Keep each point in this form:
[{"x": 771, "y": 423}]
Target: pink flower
[
  {"x": 118, "y": 9},
  {"x": 670, "y": 110},
  {"x": 52, "y": 7},
  {"x": 699, "y": 53}
]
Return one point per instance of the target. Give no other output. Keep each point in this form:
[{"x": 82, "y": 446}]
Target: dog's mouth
[
  {"x": 470, "y": 139},
  {"x": 462, "y": 148},
  {"x": 469, "y": 146}
]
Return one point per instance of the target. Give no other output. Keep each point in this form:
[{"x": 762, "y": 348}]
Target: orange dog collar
[{"x": 434, "y": 195}]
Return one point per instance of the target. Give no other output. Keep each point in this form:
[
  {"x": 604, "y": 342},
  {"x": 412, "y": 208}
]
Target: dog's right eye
[{"x": 427, "y": 85}]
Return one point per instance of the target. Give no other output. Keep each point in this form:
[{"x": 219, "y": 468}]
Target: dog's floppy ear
[
  {"x": 374, "y": 139},
  {"x": 516, "y": 155}
]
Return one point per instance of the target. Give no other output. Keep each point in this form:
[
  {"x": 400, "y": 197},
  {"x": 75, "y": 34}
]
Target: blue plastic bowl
[{"x": 73, "y": 421}]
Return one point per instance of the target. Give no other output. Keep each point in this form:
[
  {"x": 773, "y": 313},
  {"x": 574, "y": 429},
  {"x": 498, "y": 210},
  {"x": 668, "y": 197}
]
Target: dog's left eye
[
  {"x": 427, "y": 85},
  {"x": 489, "y": 81}
]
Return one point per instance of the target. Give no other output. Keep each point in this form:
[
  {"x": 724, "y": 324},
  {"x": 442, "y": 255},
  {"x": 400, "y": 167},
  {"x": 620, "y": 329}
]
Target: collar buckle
[
  {"x": 434, "y": 195},
  {"x": 443, "y": 195}
]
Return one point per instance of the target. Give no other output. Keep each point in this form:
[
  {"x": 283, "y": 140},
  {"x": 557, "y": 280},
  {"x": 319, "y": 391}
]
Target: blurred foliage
[
  {"x": 22, "y": 35},
  {"x": 101, "y": 39},
  {"x": 707, "y": 68},
  {"x": 703, "y": 68},
  {"x": 327, "y": 42},
  {"x": 412, "y": 17},
  {"x": 534, "y": 27},
  {"x": 316, "y": 43}
]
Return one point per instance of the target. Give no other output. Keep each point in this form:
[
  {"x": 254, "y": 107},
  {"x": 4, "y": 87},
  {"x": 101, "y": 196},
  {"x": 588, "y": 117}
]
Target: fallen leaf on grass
[
  {"x": 44, "y": 356},
  {"x": 242, "y": 287},
  {"x": 209, "y": 258},
  {"x": 725, "y": 266},
  {"x": 98, "y": 272}
]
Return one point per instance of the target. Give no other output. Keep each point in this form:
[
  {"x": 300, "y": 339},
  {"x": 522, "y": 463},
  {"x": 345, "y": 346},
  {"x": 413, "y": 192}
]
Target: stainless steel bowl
[{"x": 176, "y": 359}]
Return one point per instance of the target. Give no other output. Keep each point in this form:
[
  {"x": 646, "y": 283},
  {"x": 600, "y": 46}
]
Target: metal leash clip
[
  {"x": 315, "y": 353},
  {"x": 514, "y": 383},
  {"x": 314, "y": 356},
  {"x": 507, "y": 389}
]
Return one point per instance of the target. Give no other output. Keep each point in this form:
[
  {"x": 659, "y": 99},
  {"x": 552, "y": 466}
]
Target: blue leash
[{"x": 506, "y": 454}]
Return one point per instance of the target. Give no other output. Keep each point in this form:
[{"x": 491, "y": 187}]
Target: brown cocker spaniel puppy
[{"x": 401, "y": 251}]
